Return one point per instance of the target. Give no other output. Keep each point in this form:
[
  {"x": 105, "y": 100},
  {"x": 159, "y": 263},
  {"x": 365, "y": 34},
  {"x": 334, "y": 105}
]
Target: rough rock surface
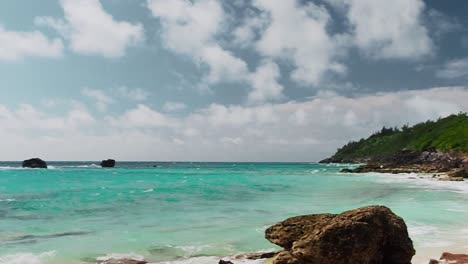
[
  {"x": 367, "y": 235},
  {"x": 225, "y": 262},
  {"x": 451, "y": 258},
  {"x": 109, "y": 163},
  {"x": 34, "y": 163},
  {"x": 122, "y": 261},
  {"x": 408, "y": 161}
]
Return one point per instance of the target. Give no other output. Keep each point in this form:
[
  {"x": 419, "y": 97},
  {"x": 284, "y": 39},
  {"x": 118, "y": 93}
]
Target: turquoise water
[{"x": 168, "y": 212}]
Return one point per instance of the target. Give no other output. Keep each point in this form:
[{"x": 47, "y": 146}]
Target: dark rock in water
[
  {"x": 225, "y": 262},
  {"x": 122, "y": 261},
  {"x": 257, "y": 255},
  {"x": 34, "y": 163},
  {"x": 109, "y": 163},
  {"x": 451, "y": 258},
  {"x": 368, "y": 235},
  {"x": 263, "y": 255}
]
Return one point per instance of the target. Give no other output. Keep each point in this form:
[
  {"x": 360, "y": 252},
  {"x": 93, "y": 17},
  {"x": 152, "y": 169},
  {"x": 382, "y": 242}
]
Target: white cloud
[
  {"x": 174, "y": 106},
  {"x": 265, "y": 83},
  {"x": 292, "y": 131},
  {"x": 91, "y": 30},
  {"x": 142, "y": 117},
  {"x": 187, "y": 30},
  {"x": 298, "y": 32},
  {"x": 15, "y": 45},
  {"x": 229, "y": 140},
  {"x": 456, "y": 68},
  {"x": 389, "y": 29},
  {"x": 99, "y": 96},
  {"x": 245, "y": 34},
  {"x": 135, "y": 94}
]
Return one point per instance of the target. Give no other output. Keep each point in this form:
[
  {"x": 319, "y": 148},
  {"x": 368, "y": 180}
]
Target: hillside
[{"x": 446, "y": 134}]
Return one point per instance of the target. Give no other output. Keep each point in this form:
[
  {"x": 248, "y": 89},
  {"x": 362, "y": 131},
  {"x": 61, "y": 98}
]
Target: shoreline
[{"x": 422, "y": 178}]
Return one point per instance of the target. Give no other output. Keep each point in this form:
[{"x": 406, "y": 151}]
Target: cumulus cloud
[
  {"x": 291, "y": 131},
  {"x": 99, "y": 96},
  {"x": 187, "y": 30},
  {"x": 456, "y": 68},
  {"x": 142, "y": 117},
  {"x": 389, "y": 29},
  {"x": 136, "y": 94},
  {"x": 174, "y": 106},
  {"x": 265, "y": 83},
  {"x": 15, "y": 45},
  {"x": 91, "y": 30},
  {"x": 298, "y": 32}
]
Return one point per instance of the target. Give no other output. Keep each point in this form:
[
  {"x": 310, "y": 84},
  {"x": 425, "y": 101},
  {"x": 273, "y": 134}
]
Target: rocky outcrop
[
  {"x": 34, "y": 163},
  {"x": 109, "y": 163},
  {"x": 409, "y": 161},
  {"x": 225, "y": 262},
  {"x": 368, "y": 235},
  {"x": 451, "y": 258}
]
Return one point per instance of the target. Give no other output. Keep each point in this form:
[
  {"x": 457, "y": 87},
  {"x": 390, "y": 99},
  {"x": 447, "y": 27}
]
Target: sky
[{"x": 219, "y": 80}]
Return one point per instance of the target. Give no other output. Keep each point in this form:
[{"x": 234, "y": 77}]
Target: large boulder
[
  {"x": 109, "y": 163},
  {"x": 34, "y": 163},
  {"x": 368, "y": 235}
]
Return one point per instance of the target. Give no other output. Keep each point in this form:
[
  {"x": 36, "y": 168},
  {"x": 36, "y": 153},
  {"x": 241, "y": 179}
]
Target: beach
[{"x": 165, "y": 212}]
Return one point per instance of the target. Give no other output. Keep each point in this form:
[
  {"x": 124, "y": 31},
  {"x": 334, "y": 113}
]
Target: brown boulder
[
  {"x": 368, "y": 235},
  {"x": 451, "y": 258}
]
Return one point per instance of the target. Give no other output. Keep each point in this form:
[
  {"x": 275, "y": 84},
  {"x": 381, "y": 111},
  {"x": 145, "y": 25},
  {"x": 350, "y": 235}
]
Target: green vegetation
[{"x": 449, "y": 133}]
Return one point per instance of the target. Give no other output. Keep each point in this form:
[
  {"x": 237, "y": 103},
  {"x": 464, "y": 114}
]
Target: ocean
[{"x": 182, "y": 212}]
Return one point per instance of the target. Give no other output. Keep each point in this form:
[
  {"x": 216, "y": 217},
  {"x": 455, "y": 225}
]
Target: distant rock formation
[
  {"x": 109, "y": 163},
  {"x": 451, "y": 258},
  {"x": 368, "y": 235},
  {"x": 455, "y": 164},
  {"x": 34, "y": 163}
]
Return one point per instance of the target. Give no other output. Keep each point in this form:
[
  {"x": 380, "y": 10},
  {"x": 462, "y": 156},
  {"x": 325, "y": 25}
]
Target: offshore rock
[
  {"x": 109, "y": 163},
  {"x": 367, "y": 235},
  {"x": 34, "y": 163}
]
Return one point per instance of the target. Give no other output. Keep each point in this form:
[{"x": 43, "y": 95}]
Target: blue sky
[{"x": 239, "y": 80}]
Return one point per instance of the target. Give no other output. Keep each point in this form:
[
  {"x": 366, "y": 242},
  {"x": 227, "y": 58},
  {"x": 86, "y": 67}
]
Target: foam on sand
[{"x": 27, "y": 258}]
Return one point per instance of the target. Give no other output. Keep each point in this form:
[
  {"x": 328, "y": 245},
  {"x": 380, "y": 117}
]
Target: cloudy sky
[{"x": 215, "y": 80}]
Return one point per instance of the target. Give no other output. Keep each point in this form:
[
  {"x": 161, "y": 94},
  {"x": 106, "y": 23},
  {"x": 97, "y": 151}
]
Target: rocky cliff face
[
  {"x": 368, "y": 235},
  {"x": 407, "y": 161}
]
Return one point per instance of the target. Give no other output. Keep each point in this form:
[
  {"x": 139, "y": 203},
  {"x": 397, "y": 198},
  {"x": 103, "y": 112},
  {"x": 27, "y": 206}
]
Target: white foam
[
  {"x": 421, "y": 230},
  {"x": 26, "y": 258},
  {"x": 7, "y": 200},
  {"x": 121, "y": 256},
  {"x": 13, "y": 168},
  {"x": 149, "y": 190},
  {"x": 414, "y": 180},
  {"x": 81, "y": 166},
  {"x": 205, "y": 260}
]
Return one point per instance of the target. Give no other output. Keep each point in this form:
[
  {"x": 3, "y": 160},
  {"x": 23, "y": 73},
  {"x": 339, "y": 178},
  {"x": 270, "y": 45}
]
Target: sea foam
[{"x": 27, "y": 258}]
